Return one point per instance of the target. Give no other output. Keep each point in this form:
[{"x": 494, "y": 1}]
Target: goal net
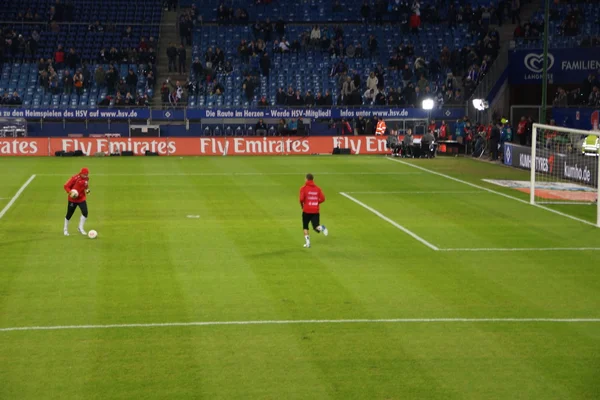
[{"x": 564, "y": 170}]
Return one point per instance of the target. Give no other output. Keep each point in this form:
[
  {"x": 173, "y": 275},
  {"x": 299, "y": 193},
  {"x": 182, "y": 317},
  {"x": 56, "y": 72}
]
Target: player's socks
[
  {"x": 81, "y": 222},
  {"x": 66, "y": 227},
  {"x": 307, "y": 239}
]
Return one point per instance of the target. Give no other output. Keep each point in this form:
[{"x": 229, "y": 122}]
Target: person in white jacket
[{"x": 372, "y": 81}]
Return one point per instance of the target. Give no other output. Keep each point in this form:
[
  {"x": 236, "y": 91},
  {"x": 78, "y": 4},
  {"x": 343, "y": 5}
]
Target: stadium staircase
[
  {"x": 169, "y": 34},
  {"x": 506, "y": 32}
]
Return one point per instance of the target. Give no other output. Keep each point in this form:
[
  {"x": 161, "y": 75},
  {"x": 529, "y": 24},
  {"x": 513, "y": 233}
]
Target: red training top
[
  {"x": 311, "y": 196},
  {"x": 78, "y": 183}
]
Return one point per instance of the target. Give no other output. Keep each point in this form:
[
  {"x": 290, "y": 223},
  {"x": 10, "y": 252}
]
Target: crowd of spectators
[
  {"x": 587, "y": 94},
  {"x": 448, "y": 77}
]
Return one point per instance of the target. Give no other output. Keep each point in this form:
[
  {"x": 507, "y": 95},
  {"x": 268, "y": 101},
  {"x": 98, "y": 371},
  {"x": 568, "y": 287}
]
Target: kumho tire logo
[{"x": 535, "y": 62}]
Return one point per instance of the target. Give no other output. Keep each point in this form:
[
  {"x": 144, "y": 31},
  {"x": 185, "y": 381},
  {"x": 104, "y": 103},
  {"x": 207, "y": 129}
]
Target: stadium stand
[
  {"x": 78, "y": 37},
  {"x": 434, "y": 51},
  {"x": 572, "y": 24}
]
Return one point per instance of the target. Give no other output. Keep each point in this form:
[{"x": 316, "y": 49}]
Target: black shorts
[
  {"x": 314, "y": 219},
  {"x": 72, "y": 206}
]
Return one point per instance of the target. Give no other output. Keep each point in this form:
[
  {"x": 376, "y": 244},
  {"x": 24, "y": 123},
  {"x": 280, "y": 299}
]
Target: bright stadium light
[
  {"x": 428, "y": 104},
  {"x": 480, "y": 104}
]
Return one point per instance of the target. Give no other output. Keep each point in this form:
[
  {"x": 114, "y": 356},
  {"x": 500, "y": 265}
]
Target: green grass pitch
[{"x": 242, "y": 260}]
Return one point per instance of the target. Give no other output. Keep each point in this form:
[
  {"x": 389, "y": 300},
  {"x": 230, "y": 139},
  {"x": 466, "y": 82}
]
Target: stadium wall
[{"x": 198, "y": 146}]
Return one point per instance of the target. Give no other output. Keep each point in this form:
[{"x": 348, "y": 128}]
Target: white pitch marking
[
  {"x": 527, "y": 249},
  {"x": 249, "y": 174},
  {"x": 306, "y": 321},
  {"x": 193, "y": 216},
  {"x": 492, "y": 191},
  {"x": 570, "y": 203},
  {"x": 16, "y": 196},
  {"x": 394, "y": 223},
  {"x": 424, "y": 192}
]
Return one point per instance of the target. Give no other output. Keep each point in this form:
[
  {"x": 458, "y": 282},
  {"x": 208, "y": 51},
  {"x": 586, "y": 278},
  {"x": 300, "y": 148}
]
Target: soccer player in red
[
  {"x": 311, "y": 197},
  {"x": 78, "y": 182}
]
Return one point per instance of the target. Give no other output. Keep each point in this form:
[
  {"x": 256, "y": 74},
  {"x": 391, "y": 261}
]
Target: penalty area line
[
  {"x": 16, "y": 196},
  {"x": 305, "y": 321},
  {"x": 390, "y": 221},
  {"x": 491, "y": 191}
]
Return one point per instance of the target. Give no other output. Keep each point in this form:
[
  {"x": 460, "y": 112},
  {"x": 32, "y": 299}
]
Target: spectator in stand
[
  {"x": 315, "y": 36},
  {"x": 78, "y": 82},
  {"x": 182, "y": 58},
  {"x": 263, "y": 102},
  {"x": 265, "y": 64},
  {"x": 561, "y": 99},
  {"x": 121, "y": 87},
  {"x": 129, "y": 99},
  {"x": 143, "y": 101},
  {"x": 588, "y": 84},
  {"x": 280, "y": 97},
  {"x": 328, "y": 99},
  {"x": 414, "y": 23},
  {"x": 260, "y": 128},
  {"x": 198, "y": 70},
  {"x": 372, "y": 81},
  {"x": 594, "y": 97},
  {"x": 248, "y": 87},
  {"x": 515, "y": 11},
  {"x": 131, "y": 80},
  {"x": 309, "y": 99},
  {"x": 15, "y": 100},
  {"x": 164, "y": 94},
  {"x": 297, "y": 99},
  {"x": 67, "y": 82},
  {"x": 380, "y": 99},
  {"x": 172, "y": 57},
  {"x": 369, "y": 96},
  {"x": 72, "y": 59},
  {"x": 217, "y": 89},
  {"x": 209, "y": 58},
  {"x": 319, "y": 100},
  {"x": 59, "y": 57},
  {"x": 365, "y": 11},
  {"x": 373, "y": 46}
]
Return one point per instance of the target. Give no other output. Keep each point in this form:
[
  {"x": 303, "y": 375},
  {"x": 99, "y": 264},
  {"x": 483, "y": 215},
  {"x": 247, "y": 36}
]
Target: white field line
[
  {"x": 492, "y": 191},
  {"x": 397, "y": 225},
  {"x": 424, "y": 192},
  {"x": 570, "y": 203},
  {"x": 317, "y": 174},
  {"x": 526, "y": 249},
  {"x": 16, "y": 196},
  {"x": 305, "y": 321}
]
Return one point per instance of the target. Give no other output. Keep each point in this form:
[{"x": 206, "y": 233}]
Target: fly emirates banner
[{"x": 205, "y": 146}]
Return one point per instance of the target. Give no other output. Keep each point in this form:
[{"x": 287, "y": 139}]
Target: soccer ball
[
  {"x": 73, "y": 194},
  {"x": 92, "y": 234}
]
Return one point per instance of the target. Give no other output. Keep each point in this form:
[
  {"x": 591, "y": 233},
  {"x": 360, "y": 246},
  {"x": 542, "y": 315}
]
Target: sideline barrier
[{"x": 204, "y": 146}]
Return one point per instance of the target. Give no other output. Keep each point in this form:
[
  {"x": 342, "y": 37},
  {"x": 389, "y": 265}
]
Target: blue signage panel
[
  {"x": 564, "y": 65},
  {"x": 70, "y": 113},
  {"x": 401, "y": 113}
]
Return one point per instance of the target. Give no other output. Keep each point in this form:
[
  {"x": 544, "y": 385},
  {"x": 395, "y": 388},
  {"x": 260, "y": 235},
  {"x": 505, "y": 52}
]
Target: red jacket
[
  {"x": 443, "y": 131},
  {"x": 311, "y": 196},
  {"x": 78, "y": 183},
  {"x": 522, "y": 128}
]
